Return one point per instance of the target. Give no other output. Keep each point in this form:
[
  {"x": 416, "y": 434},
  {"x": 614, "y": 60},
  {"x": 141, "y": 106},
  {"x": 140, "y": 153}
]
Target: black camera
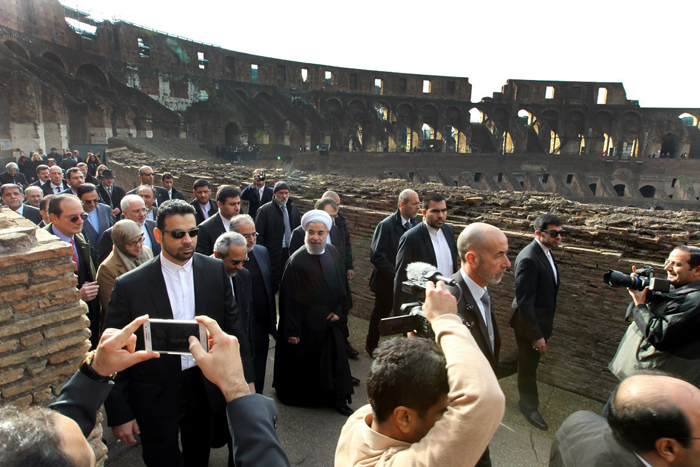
[
  {"x": 262, "y": 176},
  {"x": 644, "y": 279}
]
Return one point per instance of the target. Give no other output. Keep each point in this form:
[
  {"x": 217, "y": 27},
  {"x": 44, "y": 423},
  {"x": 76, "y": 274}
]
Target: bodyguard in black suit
[
  {"x": 167, "y": 180},
  {"x": 385, "y": 243},
  {"x": 203, "y": 206},
  {"x": 483, "y": 251},
  {"x": 55, "y": 183},
  {"x": 109, "y": 193},
  {"x": 417, "y": 245},
  {"x": 256, "y": 194},
  {"x": 532, "y": 311},
  {"x": 168, "y": 397},
  {"x": 228, "y": 202},
  {"x": 102, "y": 217},
  {"x": 264, "y": 315}
]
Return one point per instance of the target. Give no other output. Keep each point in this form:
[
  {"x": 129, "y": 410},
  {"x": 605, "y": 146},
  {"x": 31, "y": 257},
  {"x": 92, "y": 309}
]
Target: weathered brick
[
  {"x": 20, "y": 293},
  {"x": 24, "y": 307},
  {"x": 48, "y": 349},
  {"x": 21, "y": 401},
  {"x": 5, "y": 313},
  {"x": 8, "y": 345},
  {"x": 10, "y": 375},
  {"x": 14, "y": 279},
  {"x": 67, "y": 354},
  {"x": 50, "y": 248},
  {"x": 44, "y": 379},
  {"x": 41, "y": 395},
  {"x": 54, "y": 299},
  {"x": 31, "y": 340},
  {"x": 33, "y": 322},
  {"x": 81, "y": 322},
  {"x": 53, "y": 271},
  {"x": 36, "y": 367}
]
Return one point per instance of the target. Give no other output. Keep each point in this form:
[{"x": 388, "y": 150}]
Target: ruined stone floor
[{"x": 309, "y": 435}]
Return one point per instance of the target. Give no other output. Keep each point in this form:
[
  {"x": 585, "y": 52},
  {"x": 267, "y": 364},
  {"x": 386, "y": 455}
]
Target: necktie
[
  {"x": 287, "y": 227},
  {"x": 407, "y": 225},
  {"x": 486, "y": 301},
  {"x": 56, "y": 190},
  {"x": 75, "y": 256},
  {"x": 550, "y": 256}
]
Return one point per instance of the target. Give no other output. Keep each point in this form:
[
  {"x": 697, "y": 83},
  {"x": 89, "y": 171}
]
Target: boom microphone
[{"x": 421, "y": 272}]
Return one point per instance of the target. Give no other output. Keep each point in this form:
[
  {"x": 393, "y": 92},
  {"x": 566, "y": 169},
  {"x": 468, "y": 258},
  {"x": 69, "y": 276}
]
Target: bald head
[
  {"x": 650, "y": 407},
  {"x": 333, "y": 195},
  {"x": 483, "y": 250}
]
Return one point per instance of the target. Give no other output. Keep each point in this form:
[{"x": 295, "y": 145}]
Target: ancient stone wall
[
  {"x": 43, "y": 328},
  {"x": 590, "y": 315}
]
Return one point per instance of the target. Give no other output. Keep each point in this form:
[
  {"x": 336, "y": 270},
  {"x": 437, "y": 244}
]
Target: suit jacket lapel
[
  {"x": 84, "y": 249},
  {"x": 428, "y": 243},
  {"x": 545, "y": 261},
  {"x": 262, "y": 265},
  {"x": 468, "y": 300},
  {"x": 200, "y": 287},
  {"x": 159, "y": 293}
]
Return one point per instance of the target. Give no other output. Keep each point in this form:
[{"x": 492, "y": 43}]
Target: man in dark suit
[
  {"x": 274, "y": 223},
  {"x": 252, "y": 418},
  {"x": 146, "y": 175},
  {"x": 75, "y": 178},
  {"x": 110, "y": 193},
  {"x": 203, "y": 206},
  {"x": 33, "y": 196},
  {"x": 70, "y": 160},
  {"x": 56, "y": 184},
  {"x": 257, "y": 193},
  {"x": 99, "y": 218},
  {"x": 168, "y": 399},
  {"x": 432, "y": 241},
  {"x": 653, "y": 421},
  {"x": 228, "y": 200},
  {"x": 13, "y": 175},
  {"x": 483, "y": 252},
  {"x": 42, "y": 175},
  {"x": 167, "y": 181},
  {"x": 264, "y": 314},
  {"x": 89, "y": 178},
  {"x": 385, "y": 243},
  {"x": 133, "y": 208},
  {"x": 532, "y": 312},
  {"x": 13, "y": 196},
  {"x": 67, "y": 218}
]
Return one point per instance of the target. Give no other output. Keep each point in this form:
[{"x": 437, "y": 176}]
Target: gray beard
[{"x": 314, "y": 249}]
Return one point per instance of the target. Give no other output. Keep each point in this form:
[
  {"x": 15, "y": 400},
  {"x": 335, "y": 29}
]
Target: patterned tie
[
  {"x": 75, "y": 256},
  {"x": 486, "y": 301}
]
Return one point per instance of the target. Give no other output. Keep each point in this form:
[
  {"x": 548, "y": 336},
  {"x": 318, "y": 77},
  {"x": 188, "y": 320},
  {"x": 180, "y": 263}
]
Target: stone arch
[
  {"x": 93, "y": 75},
  {"x": 648, "y": 191},
  {"x": 551, "y": 117},
  {"x": 242, "y": 94},
  {"x": 501, "y": 118},
  {"x": 357, "y": 109},
  {"x": 670, "y": 145},
  {"x": 620, "y": 189},
  {"x": 335, "y": 107},
  {"x": 295, "y": 139},
  {"x": 604, "y": 122},
  {"x": 405, "y": 112},
  {"x": 689, "y": 119},
  {"x": 631, "y": 122},
  {"x": 232, "y": 134},
  {"x": 476, "y": 115},
  {"x": 525, "y": 117},
  {"x": 16, "y": 48},
  {"x": 263, "y": 96},
  {"x": 453, "y": 114},
  {"x": 52, "y": 57},
  {"x": 382, "y": 110}
]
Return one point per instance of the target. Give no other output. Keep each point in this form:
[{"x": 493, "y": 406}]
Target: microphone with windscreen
[{"x": 421, "y": 272}]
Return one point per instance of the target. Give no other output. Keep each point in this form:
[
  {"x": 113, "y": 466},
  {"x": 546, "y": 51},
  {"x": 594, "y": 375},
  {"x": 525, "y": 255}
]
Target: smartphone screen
[{"x": 172, "y": 336}]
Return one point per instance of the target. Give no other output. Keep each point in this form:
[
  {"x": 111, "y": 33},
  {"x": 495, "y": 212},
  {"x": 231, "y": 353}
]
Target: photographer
[
  {"x": 257, "y": 193},
  {"x": 665, "y": 327},
  {"x": 426, "y": 407}
]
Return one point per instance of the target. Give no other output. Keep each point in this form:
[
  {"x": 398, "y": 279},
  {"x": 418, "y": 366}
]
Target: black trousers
[
  {"x": 383, "y": 302},
  {"x": 192, "y": 419},
  {"x": 526, "y": 360},
  {"x": 261, "y": 343}
]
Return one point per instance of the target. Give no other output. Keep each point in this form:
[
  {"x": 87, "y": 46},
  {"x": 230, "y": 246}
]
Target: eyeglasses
[
  {"x": 74, "y": 219},
  {"x": 178, "y": 234},
  {"x": 254, "y": 234},
  {"x": 134, "y": 243},
  {"x": 555, "y": 233},
  {"x": 149, "y": 174},
  {"x": 91, "y": 201},
  {"x": 236, "y": 263},
  {"x": 139, "y": 211}
]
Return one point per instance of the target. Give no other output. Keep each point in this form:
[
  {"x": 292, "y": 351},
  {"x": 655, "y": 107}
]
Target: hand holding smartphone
[{"x": 171, "y": 336}]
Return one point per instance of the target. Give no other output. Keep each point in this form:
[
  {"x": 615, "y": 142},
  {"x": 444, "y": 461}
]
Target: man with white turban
[{"x": 311, "y": 365}]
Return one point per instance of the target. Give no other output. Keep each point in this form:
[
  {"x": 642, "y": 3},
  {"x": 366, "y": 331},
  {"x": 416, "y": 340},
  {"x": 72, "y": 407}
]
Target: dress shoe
[
  {"x": 352, "y": 353},
  {"x": 370, "y": 352},
  {"x": 355, "y": 381},
  {"x": 344, "y": 410},
  {"x": 535, "y": 419}
]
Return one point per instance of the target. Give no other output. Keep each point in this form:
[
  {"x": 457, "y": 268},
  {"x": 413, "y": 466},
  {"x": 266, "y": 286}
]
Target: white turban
[{"x": 317, "y": 215}]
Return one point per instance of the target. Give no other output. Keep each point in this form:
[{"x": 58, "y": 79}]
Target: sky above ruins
[{"x": 648, "y": 46}]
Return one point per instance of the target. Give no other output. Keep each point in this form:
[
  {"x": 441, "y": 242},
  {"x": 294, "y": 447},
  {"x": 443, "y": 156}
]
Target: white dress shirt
[
  {"x": 477, "y": 292},
  {"x": 443, "y": 254},
  {"x": 226, "y": 222},
  {"x": 179, "y": 281},
  {"x": 146, "y": 237},
  {"x": 548, "y": 254}
]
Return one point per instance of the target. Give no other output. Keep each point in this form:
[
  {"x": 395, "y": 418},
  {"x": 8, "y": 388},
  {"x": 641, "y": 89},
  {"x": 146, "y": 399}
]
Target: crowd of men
[{"x": 431, "y": 402}]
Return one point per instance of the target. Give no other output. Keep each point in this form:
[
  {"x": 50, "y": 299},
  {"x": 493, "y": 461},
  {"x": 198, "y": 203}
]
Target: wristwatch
[{"x": 87, "y": 370}]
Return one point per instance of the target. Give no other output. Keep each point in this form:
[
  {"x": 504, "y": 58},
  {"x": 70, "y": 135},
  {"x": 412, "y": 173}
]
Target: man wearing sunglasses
[
  {"x": 67, "y": 218},
  {"x": 532, "y": 312},
  {"x": 167, "y": 400},
  {"x": 146, "y": 178},
  {"x": 99, "y": 217}
]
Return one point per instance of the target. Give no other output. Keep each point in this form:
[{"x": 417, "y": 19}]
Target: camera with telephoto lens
[
  {"x": 643, "y": 279},
  {"x": 262, "y": 176}
]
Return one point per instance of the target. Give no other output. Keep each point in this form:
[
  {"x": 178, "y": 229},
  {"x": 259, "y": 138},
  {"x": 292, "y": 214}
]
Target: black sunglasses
[
  {"x": 82, "y": 215},
  {"x": 555, "y": 233},
  {"x": 236, "y": 263},
  {"x": 178, "y": 234},
  {"x": 149, "y": 174}
]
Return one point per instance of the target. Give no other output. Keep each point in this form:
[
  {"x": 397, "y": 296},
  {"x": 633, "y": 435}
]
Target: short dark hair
[
  {"x": 45, "y": 201},
  {"x": 41, "y": 167},
  {"x": 172, "y": 207},
  {"x": 84, "y": 189},
  {"x": 200, "y": 183},
  {"x": 323, "y": 202},
  {"x": 409, "y": 372},
  {"x": 55, "y": 203},
  {"x": 10, "y": 186},
  {"x": 694, "y": 254},
  {"x": 72, "y": 170},
  {"x": 29, "y": 436},
  {"x": 545, "y": 220},
  {"x": 434, "y": 197},
  {"x": 638, "y": 426},
  {"x": 227, "y": 191},
  {"x": 166, "y": 176}
]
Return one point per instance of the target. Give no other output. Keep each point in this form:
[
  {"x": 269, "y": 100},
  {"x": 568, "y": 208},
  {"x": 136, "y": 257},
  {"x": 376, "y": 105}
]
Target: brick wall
[
  {"x": 590, "y": 316},
  {"x": 43, "y": 328}
]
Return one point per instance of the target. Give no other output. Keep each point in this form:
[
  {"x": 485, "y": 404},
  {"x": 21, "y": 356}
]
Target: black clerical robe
[{"x": 315, "y": 371}]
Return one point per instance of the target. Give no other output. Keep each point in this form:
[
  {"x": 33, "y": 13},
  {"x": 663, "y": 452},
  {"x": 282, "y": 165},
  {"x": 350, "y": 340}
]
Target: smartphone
[{"x": 171, "y": 336}]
